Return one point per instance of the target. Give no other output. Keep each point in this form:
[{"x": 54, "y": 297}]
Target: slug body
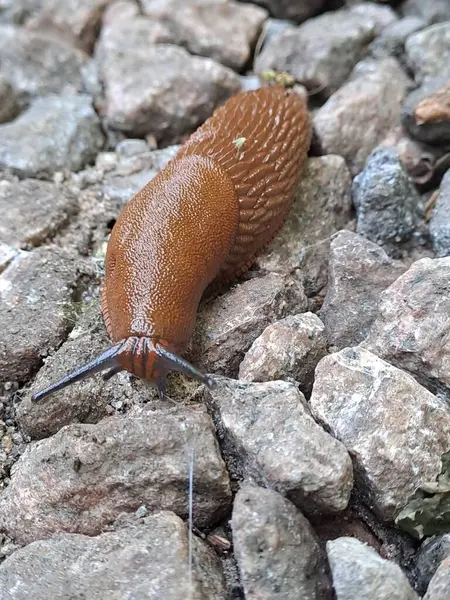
[{"x": 203, "y": 218}]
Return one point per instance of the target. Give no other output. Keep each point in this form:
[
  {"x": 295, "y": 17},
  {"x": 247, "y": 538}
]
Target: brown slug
[{"x": 202, "y": 219}]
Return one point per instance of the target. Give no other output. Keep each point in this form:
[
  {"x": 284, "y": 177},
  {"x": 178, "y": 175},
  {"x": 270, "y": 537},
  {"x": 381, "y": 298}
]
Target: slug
[{"x": 203, "y": 219}]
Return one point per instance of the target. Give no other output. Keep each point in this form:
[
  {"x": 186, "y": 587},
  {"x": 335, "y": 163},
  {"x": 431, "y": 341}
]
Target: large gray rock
[
  {"x": 38, "y": 291},
  {"x": 147, "y": 560},
  {"x": 428, "y": 52},
  {"x": 395, "y": 430},
  {"x": 432, "y": 12},
  {"x": 360, "y": 114},
  {"x": 321, "y": 53},
  {"x": 228, "y": 325},
  {"x": 267, "y": 434},
  {"x": 430, "y": 555},
  {"x": 386, "y": 201},
  {"x": 359, "y": 271},
  {"x": 426, "y": 112},
  {"x": 411, "y": 329},
  {"x": 37, "y": 65},
  {"x": 439, "y": 588},
  {"x": 54, "y": 133},
  {"x": 290, "y": 348},
  {"x": 161, "y": 89},
  {"x": 322, "y": 206},
  {"x": 33, "y": 211},
  {"x": 82, "y": 478},
  {"x": 276, "y": 549},
  {"x": 392, "y": 40},
  {"x": 440, "y": 219},
  {"x": 359, "y": 573}
]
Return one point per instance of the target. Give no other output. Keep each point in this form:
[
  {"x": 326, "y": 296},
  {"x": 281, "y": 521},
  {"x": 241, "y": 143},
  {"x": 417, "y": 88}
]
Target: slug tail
[{"x": 108, "y": 359}]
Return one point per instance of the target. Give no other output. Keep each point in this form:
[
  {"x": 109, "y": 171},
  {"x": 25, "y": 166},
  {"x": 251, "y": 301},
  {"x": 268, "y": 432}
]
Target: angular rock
[
  {"x": 426, "y": 113},
  {"x": 411, "y": 329},
  {"x": 295, "y": 10},
  {"x": 439, "y": 588},
  {"x": 162, "y": 90},
  {"x": 37, "y": 65},
  {"x": 228, "y": 325},
  {"x": 33, "y": 211},
  {"x": 321, "y": 207},
  {"x": 380, "y": 16},
  {"x": 225, "y": 32},
  {"x": 395, "y": 430},
  {"x": 82, "y": 478},
  {"x": 428, "y": 52},
  {"x": 392, "y": 40},
  {"x": 359, "y": 573},
  {"x": 8, "y": 101},
  {"x": 290, "y": 348},
  {"x": 159, "y": 9},
  {"x": 430, "y": 555},
  {"x": 387, "y": 204},
  {"x": 318, "y": 61},
  {"x": 440, "y": 220},
  {"x": 140, "y": 561},
  {"x": 277, "y": 551},
  {"x": 37, "y": 294},
  {"x": 359, "y": 115},
  {"x": 431, "y": 12},
  {"x": 358, "y": 272},
  {"x": 55, "y": 133},
  {"x": 268, "y": 436}
]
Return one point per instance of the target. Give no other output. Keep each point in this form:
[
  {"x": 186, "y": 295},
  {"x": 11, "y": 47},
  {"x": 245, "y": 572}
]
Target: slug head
[{"x": 141, "y": 356}]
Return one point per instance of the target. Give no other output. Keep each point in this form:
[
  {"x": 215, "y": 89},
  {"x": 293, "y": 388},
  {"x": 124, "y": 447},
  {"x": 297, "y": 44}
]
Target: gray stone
[
  {"x": 277, "y": 551},
  {"x": 432, "y": 12},
  {"x": 359, "y": 573},
  {"x": 426, "y": 113},
  {"x": 148, "y": 561},
  {"x": 268, "y": 435},
  {"x": 358, "y": 272},
  {"x": 83, "y": 477},
  {"x": 33, "y": 211},
  {"x": 8, "y": 101},
  {"x": 318, "y": 61},
  {"x": 386, "y": 201},
  {"x": 295, "y": 10},
  {"x": 428, "y": 52},
  {"x": 439, "y": 588},
  {"x": 430, "y": 555},
  {"x": 160, "y": 89},
  {"x": 130, "y": 147},
  {"x": 440, "y": 220},
  {"x": 37, "y": 294},
  {"x": 411, "y": 329},
  {"x": 322, "y": 206},
  {"x": 37, "y": 65},
  {"x": 54, "y": 133},
  {"x": 395, "y": 430},
  {"x": 7, "y": 254},
  {"x": 381, "y": 16},
  {"x": 392, "y": 40},
  {"x": 228, "y": 325},
  {"x": 290, "y": 348},
  {"x": 225, "y": 32},
  {"x": 358, "y": 116}
]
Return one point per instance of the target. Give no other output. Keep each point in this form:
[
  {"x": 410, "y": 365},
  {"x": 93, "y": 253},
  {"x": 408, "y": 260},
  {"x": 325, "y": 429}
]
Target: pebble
[
  {"x": 37, "y": 65},
  {"x": 81, "y": 479},
  {"x": 426, "y": 113},
  {"x": 147, "y": 561},
  {"x": 322, "y": 206},
  {"x": 319, "y": 62},
  {"x": 289, "y": 348},
  {"x": 440, "y": 220},
  {"x": 277, "y": 551},
  {"x": 373, "y": 95},
  {"x": 386, "y": 201},
  {"x": 359, "y": 271},
  {"x": 428, "y": 52},
  {"x": 267, "y": 434},
  {"x": 439, "y": 588},
  {"x": 411, "y": 328},
  {"x": 228, "y": 325},
  {"x": 359, "y": 573},
  {"x": 395, "y": 430},
  {"x": 53, "y": 134},
  {"x": 429, "y": 556}
]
